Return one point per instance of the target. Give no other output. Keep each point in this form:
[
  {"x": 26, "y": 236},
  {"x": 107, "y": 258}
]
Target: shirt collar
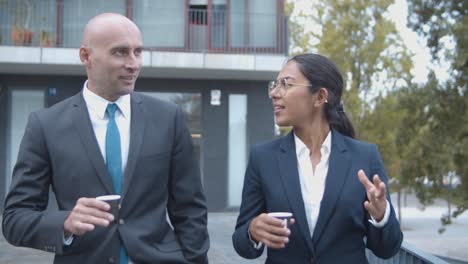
[
  {"x": 302, "y": 149},
  {"x": 96, "y": 104}
]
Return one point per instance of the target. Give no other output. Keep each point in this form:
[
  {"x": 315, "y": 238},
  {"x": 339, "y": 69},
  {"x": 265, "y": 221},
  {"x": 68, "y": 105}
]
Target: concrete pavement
[
  {"x": 221, "y": 226},
  {"x": 419, "y": 227}
]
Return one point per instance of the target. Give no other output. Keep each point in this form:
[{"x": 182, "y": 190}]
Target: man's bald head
[
  {"x": 111, "y": 53},
  {"x": 100, "y": 26}
]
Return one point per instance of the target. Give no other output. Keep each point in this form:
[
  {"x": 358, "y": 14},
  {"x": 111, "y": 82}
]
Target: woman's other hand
[{"x": 270, "y": 231}]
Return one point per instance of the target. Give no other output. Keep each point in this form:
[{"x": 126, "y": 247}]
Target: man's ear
[
  {"x": 322, "y": 97},
  {"x": 84, "y": 55}
]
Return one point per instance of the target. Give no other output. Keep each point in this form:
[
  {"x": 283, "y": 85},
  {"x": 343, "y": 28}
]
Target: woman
[{"x": 317, "y": 172}]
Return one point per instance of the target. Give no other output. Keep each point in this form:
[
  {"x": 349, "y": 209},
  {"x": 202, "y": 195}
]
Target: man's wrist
[
  {"x": 68, "y": 239},
  {"x": 256, "y": 245}
]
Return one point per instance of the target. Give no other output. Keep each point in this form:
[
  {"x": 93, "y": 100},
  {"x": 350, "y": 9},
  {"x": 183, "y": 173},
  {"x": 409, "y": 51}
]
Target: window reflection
[{"x": 190, "y": 103}]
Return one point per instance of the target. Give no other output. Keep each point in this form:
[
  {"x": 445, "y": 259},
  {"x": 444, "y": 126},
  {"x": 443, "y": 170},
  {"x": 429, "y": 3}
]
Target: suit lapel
[
  {"x": 290, "y": 178},
  {"x": 137, "y": 128},
  {"x": 85, "y": 130},
  {"x": 337, "y": 172}
]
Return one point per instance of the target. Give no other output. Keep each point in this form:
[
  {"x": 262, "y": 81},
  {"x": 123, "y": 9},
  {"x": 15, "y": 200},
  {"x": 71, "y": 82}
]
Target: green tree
[
  {"x": 438, "y": 136},
  {"x": 299, "y": 41},
  {"x": 433, "y": 143},
  {"x": 365, "y": 44},
  {"x": 382, "y": 126},
  {"x": 372, "y": 57},
  {"x": 359, "y": 37}
]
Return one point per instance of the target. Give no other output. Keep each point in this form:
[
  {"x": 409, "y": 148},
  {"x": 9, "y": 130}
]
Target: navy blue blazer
[{"x": 342, "y": 231}]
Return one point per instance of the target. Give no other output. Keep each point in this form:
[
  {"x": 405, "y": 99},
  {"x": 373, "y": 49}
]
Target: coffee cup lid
[{"x": 108, "y": 197}]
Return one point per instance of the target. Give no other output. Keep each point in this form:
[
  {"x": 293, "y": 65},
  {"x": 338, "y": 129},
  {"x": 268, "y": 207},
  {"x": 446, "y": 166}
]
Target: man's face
[{"x": 114, "y": 60}]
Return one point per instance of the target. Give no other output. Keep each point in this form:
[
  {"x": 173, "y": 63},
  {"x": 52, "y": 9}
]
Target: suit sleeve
[
  {"x": 187, "y": 205},
  {"x": 26, "y": 222},
  {"x": 253, "y": 204},
  {"x": 385, "y": 241}
]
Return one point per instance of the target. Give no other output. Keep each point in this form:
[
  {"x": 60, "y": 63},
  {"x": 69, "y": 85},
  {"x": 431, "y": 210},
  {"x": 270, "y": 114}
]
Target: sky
[{"x": 398, "y": 14}]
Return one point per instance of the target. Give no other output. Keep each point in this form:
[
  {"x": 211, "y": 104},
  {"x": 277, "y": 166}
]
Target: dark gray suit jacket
[
  {"x": 59, "y": 149},
  {"x": 272, "y": 185}
]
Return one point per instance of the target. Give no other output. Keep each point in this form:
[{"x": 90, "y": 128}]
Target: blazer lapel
[
  {"x": 85, "y": 130},
  {"x": 289, "y": 174},
  {"x": 137, "y": 129},
  {"x": 337, "y": 172}
]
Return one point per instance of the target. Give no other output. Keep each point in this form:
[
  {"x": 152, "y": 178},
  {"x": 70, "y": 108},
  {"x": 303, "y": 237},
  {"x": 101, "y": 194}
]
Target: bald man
[{"x": 109, "y": 140}]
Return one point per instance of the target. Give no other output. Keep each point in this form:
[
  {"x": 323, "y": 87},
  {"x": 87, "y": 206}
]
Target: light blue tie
[{"x": 114, "y": 162}]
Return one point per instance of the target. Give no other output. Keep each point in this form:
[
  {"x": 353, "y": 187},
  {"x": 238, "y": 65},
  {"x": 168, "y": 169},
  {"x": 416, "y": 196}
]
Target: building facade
[{"x": 212, "y": 57}]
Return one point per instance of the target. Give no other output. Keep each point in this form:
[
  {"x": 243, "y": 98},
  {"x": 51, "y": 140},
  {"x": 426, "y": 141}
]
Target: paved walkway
[
  {"x": 420, "y": 229},
  {"x": 221, "y": 226}
]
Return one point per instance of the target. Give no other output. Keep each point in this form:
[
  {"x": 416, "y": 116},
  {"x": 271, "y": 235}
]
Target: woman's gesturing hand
[{"x": 376, "y": 203}]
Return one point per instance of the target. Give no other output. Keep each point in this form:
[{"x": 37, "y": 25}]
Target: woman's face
[{"x": 294, "y": 105}]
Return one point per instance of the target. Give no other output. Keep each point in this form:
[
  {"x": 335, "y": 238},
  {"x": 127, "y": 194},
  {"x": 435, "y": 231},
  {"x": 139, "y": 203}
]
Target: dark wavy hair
[{"x": 323, "y": 73}]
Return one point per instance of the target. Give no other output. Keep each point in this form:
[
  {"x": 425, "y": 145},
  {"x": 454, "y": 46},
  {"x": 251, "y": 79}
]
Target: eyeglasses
[{"x": 283, "y": 86}]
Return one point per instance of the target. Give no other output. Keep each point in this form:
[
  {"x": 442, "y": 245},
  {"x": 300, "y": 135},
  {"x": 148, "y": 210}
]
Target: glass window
[
  {"x": 237, "y": 147},
  {"x": 237, "y": 24},
  {"x": 76, "y": 13},
  {"x": 218, "y": 21},
  {"x": 262, "y": 20},
  {"x": 261, "y": 23},
  {"x": 25, "y": 22},
  {"x": 161, "y": 22}
]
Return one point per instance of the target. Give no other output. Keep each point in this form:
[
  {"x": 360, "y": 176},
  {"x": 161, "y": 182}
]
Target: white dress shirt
[
  {"x": 313, "y": 181},
  {"x": 97, "y": 114}
]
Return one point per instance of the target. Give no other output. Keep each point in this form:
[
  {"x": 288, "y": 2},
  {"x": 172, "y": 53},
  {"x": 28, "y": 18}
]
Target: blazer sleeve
[
  {"x": 385, "y": 241},
  {"x": 187, "y": 205},
  {"x": 252, "y": 204},
  {"x": 26, "y": 222}
]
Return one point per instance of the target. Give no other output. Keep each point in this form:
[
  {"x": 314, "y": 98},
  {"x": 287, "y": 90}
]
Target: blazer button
[
  {"x": 111, "y": 260},
  {"x": 312, "y": 260},
  {"x": 121, "y": 221}
]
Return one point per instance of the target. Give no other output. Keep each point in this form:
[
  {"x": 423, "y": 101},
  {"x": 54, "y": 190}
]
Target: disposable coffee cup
[
  {"x": 113, "y": 201},
  {"x": 285, "y": 216}
]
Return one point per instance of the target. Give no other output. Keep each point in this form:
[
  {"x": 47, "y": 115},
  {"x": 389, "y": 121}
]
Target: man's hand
[
  {"x": 270, "y": 231},
  {"x": 87, "y": 213},
  {"x": 376, "y": 203}
]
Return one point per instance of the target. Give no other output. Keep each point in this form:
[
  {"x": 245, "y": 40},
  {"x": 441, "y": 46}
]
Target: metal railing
[
  {"x": 48, "y": 24},
  {"x": 408, "y": 254}
]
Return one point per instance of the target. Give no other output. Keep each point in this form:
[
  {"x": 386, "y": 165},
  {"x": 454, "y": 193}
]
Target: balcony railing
[
  {"x": 408, "y": 254},
  {"x": 50, "y": 23}
]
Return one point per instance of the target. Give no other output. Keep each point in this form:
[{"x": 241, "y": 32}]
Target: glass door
[
  {"x": 237, "y": 147},
  {"x": 22, "y": 103}
]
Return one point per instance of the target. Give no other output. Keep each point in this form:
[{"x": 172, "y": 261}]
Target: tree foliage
[
  {"x": 364, "y": 43},
  {"x": 437, "y": 129},
  {"x": 381, "y": 126},
  {"x": 299, "y": 41},
  {"x": 421, "y": 129},
  {"x": 439, "y": 20}
]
